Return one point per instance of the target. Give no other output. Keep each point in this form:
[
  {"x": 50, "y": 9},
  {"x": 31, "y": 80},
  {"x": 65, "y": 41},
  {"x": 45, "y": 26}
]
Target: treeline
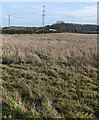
[
  {"x": 19, "y": 31},
  {"x": 55, "y": 28}
]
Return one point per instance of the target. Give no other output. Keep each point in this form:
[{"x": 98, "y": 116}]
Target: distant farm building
[{"x": 53, "y": 30}]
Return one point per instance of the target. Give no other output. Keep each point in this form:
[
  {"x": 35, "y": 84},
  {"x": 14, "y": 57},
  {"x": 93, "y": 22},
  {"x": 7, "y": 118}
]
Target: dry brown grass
[{"x": 56, "y": 46}]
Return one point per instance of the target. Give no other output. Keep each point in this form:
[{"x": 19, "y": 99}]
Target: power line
[{"x": 43, "y": 15}]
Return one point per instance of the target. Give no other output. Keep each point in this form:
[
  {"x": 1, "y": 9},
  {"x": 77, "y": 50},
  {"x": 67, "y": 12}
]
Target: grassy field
[{"x": 49, "y": 76}]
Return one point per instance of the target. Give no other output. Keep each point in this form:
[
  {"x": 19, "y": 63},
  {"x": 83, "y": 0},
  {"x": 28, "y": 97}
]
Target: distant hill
[
  {"x": 57, "y": 27},
  {"x": 69, "y": 27}
]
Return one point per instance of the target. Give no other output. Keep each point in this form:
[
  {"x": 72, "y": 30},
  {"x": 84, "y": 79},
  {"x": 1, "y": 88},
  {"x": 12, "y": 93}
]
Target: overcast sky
[{"x": 30, "y": 13}]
